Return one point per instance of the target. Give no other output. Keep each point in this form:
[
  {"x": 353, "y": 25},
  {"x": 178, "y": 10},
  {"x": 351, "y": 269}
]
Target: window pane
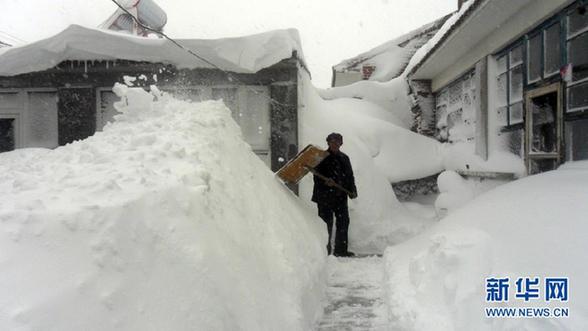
[
  {"x": 516, "y": 56},
  {"x": 542, "y": 165},
  {"x": 7, "y": 141},
  {"x": 552, "y": 50},
  {"x": 577, "y": 96},
  {"x": 254, "y": 120},
  {"x": 501, "y": 90},
  {"x": 578, "y": 56},
  {"x": 576, "y": 140},
  {"x": 515, "y": 141},
  {"x": 516, "y": 84},
  {"x": 516, "y": 113},
  {"x": 42, "y": 120},
  {"x": 543, "y": 112},
  {"x": 576, "y": 22},
  {"x": 534, "y": 59},
  {"x": 501, "y": 64}
]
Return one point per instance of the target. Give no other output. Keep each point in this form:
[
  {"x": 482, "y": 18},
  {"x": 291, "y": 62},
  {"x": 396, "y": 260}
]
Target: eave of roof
[
  {"x": 447, "y": 34},
  {"x": 475, "y": 25}
]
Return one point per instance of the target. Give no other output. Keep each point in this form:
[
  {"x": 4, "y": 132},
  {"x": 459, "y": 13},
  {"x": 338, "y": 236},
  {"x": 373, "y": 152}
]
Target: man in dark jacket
[{"x": 331, "y": 200}]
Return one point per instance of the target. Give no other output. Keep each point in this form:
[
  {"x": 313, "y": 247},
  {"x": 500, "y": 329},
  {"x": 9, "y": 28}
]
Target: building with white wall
[{"x": 510, "y": 75}]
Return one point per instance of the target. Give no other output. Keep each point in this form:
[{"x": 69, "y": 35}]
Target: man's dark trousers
[{"x": 341, "y": 213}]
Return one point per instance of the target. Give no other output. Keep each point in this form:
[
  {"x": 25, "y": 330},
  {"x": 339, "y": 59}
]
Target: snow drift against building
[
  {"x": 381, "y": 152},
  {"x": 166, "y": 220},
  {"x": 393, "y": 94},
  {"x": 533, "y": 227},
  {"x": 247, "y": 54}
]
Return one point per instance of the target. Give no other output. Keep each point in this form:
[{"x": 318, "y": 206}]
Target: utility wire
[
  {"x": 15, "y": 38},
  {"x": 191, "y": 52}
]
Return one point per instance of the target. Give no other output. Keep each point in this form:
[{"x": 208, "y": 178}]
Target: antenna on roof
[{"x": 147, "y": 12}]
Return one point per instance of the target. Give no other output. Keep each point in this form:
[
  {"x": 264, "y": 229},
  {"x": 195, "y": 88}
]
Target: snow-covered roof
[
  {"x": 247, "y": 54},
  {"x": 476, "y": 20},
  {"x": 392, "y": 57},
  {"x": 447, "y": 32}
]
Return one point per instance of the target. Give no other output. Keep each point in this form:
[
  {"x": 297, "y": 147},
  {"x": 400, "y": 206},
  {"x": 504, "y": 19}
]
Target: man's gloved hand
[
  {"x": 353, "y": 195},
  {"x": 330, "y": 182}
]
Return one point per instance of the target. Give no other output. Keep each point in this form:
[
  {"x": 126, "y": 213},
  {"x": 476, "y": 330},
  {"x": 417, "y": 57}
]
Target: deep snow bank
[
  {"x": 533, "y": 227},
  {"x": 392, "y": 96},
  {"x": 164, "y": 221}
]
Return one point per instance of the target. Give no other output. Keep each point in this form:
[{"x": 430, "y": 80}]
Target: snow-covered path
[{"x": 356, "y": 295}]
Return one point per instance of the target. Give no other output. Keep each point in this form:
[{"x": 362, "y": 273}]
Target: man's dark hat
[{"x": 335, "y": 136}]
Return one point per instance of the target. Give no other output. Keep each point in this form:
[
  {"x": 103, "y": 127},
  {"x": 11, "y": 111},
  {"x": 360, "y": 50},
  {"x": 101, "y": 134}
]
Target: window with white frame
[
  {"x": 534, "y": 47},
  {"x": 544, "y": 53},
  {"x": 510, "y": 86},
  {"x": 577, "y": 48},
  {"x": 552, "y": 50}
]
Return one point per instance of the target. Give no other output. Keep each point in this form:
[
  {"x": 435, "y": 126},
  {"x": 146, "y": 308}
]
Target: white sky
[{"x": 331, "y": 30}]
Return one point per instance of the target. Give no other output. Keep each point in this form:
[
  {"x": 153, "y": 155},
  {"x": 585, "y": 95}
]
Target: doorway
[{"x": 543, "y": 131}]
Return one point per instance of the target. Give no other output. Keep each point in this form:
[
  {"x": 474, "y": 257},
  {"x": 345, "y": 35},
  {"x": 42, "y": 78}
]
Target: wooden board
[{"x": 296, "y": 168}]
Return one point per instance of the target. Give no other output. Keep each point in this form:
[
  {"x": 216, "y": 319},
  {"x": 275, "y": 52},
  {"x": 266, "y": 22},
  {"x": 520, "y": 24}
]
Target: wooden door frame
[{"x": 529, "y": 96}]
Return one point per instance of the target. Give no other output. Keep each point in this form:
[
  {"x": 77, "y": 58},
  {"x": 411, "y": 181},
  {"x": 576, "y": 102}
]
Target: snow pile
[
  {"x": 533, "y": 227},
  {"x": 456, "y": 191},
  {"x": 247, "y": 54},
  {"x": 166, "y": 220},
  {"x": 462, "y": 155},
  {"x": 380, "y": 152},
  {"x": 392, "y": 96}
]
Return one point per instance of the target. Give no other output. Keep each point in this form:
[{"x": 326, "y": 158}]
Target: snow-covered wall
[{"x": 166, "y": 220}]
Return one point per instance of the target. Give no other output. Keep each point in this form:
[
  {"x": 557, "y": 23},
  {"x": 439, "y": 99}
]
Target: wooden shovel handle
[{"x": 325, "y": 178}]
